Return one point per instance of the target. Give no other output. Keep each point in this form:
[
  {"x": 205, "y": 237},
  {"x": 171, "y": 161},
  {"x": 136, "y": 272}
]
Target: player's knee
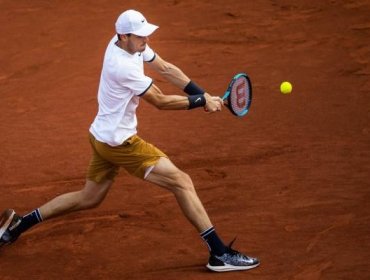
[
  {"x": 92, "y": 195},
  {"x": 184, "y": 182},
  {"x": 90, "y": 200},
  {"x": 93, "y": 203}
]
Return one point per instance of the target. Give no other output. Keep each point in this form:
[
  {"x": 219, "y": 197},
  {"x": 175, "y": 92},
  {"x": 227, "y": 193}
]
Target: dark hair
[{"x": 119, "y": 37}]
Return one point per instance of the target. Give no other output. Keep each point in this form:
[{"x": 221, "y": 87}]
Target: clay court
[{"x": 291, "y": 180}]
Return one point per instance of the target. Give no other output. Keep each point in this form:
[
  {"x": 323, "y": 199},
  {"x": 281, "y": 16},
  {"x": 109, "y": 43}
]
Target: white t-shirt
[{"x": 122, "y": 81}]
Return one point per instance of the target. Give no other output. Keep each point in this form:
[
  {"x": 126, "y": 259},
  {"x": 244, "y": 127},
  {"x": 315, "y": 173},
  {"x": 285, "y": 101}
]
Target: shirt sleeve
[
  {"x": 137, "y": 82},
  {"x": 148, "y": 54}
]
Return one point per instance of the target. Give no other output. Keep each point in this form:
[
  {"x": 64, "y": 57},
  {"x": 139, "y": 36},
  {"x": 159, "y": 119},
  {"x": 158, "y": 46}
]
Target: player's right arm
[
  {"x": 177, "y": 77},
  {"x": 162, "y": 101},
  {"x": 169, "y": 71}
]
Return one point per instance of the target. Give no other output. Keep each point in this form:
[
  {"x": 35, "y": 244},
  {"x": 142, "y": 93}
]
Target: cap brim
[{"x": 146, "y": 30}]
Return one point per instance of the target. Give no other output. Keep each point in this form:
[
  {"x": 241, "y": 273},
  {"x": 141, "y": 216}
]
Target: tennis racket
[{"x": 238, "y": 96}]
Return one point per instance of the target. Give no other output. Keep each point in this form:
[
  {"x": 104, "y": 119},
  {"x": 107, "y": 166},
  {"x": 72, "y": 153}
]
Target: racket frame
[{"x": 227, "y": 93}]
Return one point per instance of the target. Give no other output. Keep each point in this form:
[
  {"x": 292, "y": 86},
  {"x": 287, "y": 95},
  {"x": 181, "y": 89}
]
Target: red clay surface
[{"x": 291, "y": 180}]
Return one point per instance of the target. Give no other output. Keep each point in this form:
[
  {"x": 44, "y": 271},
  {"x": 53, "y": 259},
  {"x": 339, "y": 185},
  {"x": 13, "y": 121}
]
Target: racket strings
[{"x": 240, "y": 96}]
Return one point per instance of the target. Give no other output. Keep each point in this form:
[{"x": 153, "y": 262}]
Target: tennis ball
[{"x": 286, "y": 87}]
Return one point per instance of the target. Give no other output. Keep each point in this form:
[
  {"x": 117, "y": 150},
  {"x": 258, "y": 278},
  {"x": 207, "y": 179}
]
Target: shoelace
[
  {"x": 231, "y": 250},
  {"x": 234, "y": 252}
]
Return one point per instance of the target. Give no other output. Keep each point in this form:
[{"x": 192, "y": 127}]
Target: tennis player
[{"x": 115, "y": 142}]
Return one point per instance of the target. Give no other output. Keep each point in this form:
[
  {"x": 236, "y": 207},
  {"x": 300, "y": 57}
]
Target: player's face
[{"x": 136, "y": 43}]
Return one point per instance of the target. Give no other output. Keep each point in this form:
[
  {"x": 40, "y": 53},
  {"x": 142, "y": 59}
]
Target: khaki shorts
[{"x": 135, "y": 155}]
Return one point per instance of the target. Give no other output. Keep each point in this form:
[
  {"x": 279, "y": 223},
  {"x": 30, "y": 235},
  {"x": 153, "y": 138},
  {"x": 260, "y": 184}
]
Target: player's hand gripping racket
[{"x": 238, "y": 96}]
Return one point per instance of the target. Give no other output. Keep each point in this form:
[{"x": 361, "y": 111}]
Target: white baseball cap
[{"x": 134, "y": 22}]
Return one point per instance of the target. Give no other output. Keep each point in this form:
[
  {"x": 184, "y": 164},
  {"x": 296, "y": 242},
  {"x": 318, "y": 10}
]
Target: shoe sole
[
  {"x": 6, "y": 219},
  {"x": 228, "y": 267}
]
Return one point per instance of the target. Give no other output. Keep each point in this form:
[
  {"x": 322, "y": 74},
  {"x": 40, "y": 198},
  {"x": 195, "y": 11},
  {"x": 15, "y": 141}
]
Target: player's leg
[
  {"x": 89, "y": 197},
  {"x": 167, "y": 175},
  {"x": 100, "y": 176},
  {"x": 222, "y": 258},
  {"x": 13, "y": 225}
]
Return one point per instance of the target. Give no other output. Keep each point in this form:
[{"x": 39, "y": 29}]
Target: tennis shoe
[
  {"x": 231, "y": 260},
  {"x": 9, "y": 220}
]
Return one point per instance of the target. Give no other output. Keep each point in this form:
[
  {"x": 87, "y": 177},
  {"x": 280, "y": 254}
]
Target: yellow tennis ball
[{"x": 286, "y": 87}]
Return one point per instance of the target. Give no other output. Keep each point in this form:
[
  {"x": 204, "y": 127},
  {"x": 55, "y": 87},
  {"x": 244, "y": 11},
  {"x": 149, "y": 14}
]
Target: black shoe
[
  {"x": 231, "y": 260},
  {"x": 9, "y": 220}
]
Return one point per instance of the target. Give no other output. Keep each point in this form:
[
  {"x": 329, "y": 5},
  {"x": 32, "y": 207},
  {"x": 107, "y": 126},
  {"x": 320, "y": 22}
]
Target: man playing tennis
[{"x": 115, "y": 143}]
